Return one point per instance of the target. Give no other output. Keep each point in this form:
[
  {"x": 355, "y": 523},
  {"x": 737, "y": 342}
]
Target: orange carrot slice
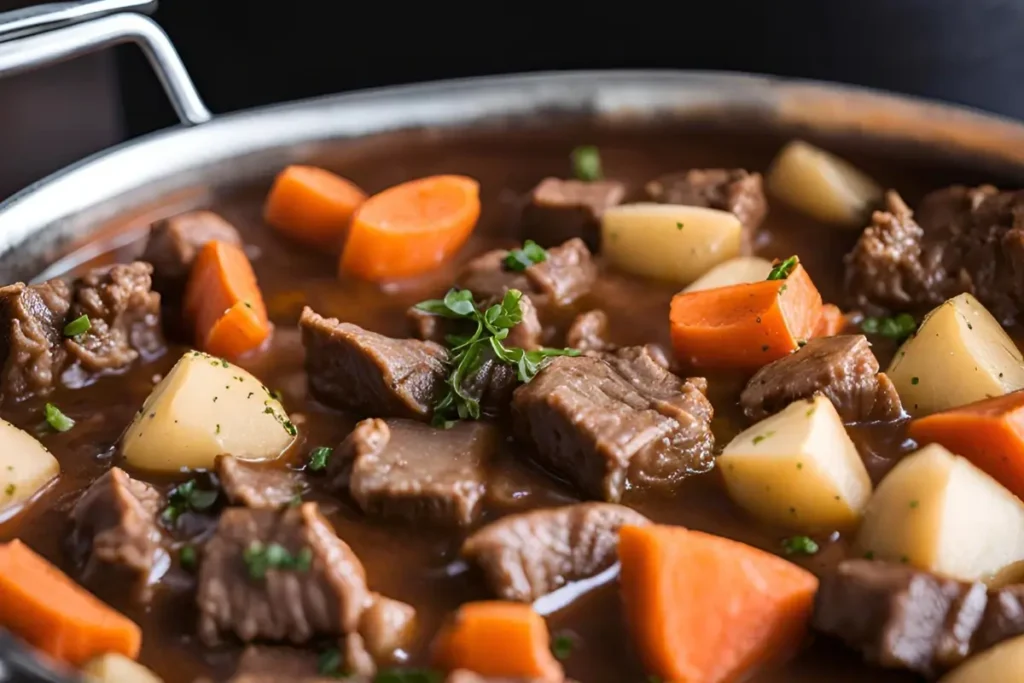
[
  {"x": 223, "y": 302},
  {"x": 312, "y": 205},
  {"x": 500, "y": 639},
  {"x": 989, "y": 433},
  {"x": 831, "y": 323},
  {"x": 705, "y": 609},
  {"x": 412, "y": 228},
  {"x": 745, "y": 326},
  {"x": 41, "y": 605}
]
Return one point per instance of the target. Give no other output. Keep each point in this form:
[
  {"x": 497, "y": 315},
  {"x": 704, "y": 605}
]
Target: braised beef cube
[
  {"x": 256, "y": 486},
  {"x": 32, "y": 337},
  {"x": 367, "y": 373},
  {"x": 735, "y": 190},
  {"x": 605, "y": 424},
  {"x": 386, "y": 627},
  {"x": 267, "y": 664},
  {"x": 114, "y": 523},
  {"x": 558, "y": 210},
  {"x": 174, "y": 243},
  {"x": 401, "y": 469},
  {"x": 842, "y": 368},
  {"x": 124, "y": 318},
  {"x": 565, "y": 275},
  {"x": 529, "y": 555},
  {"x": 279, "y": 576},
  {"x": 1003, "y": 618},
  {"x": 899, "y": 617},
  {"x": 526, "y": 335},
  {"x": 589, "y": 332}
]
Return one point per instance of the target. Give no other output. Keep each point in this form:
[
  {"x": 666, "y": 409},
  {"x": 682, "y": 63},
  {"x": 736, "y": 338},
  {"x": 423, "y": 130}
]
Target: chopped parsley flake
[
  {"x": 799, "y": 545},
  {"x": 318, "y": 458},
  {"x": 898, "y": 328},
  {"x": 679, "y": 226},
  {"x": 260, "y": 559},
  {"x": 9, "y": 491},
  {"x": 915, "y": 380},
  {"x": 781, "y": 270},
  {"x": 586, "y": 163},
  {"x": 561, "y": 647},
  {"x": 761, "y": 437},
  {"x": 56, "y": 419},
  {"x": 186, "y": 497},
  {"x": 187, "y": 557},
  {"x": 530, "y": 255},
  {"x": 79, "y": 325}
]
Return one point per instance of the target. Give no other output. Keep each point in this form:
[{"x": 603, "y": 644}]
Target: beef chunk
[
  {"x": 387, "y": 626},
  {"x": 293, "y": 603},
  {"x": 526, "y": 335},
  {"x": 842, "y": 368},
  {"x": 899, "y": 617},
  {"x": 617, "y": 421},
  {"x": 531, "y": 554},
  {"x": 407, "y": 470},
  {"x": 174, "y": 242},
  {"x": 558, "y": 210},
  {"x": 256, "y": 486},
  {"x": 115, "y": 523},
  {"x": 734, "y": 190},
  {"x": 567, "y": 274},
  {"x": 1003, "y": 618},
  {"x": 354, "y": 369},
  {"x": 589, "y": 332},
  {"x": 31, "y": 339}
]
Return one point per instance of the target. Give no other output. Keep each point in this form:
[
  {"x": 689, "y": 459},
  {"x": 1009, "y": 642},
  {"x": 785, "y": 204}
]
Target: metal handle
[{"x": 52, "y": 33}]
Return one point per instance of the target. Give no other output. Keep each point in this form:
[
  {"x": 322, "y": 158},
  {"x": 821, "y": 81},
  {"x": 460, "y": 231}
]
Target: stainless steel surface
[
  {"x": 30, "y": 20},
  {"x": 69, "y": 41},
  {"x": 177, "y": 169}
]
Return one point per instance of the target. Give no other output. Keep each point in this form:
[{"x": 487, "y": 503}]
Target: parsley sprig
[
  {"x": 188, "y": 497},
  {"x": 781, "y": 269},
  {"x": 530, "y": 255},
  {"x": 467, "y": 353},
  {"x": 898, "y": 328}
]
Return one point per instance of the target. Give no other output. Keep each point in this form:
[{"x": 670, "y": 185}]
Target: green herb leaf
[
  {"x": 187, "y": 557},
  {"x": 260, "y": 559},
  {"x": 530, "y": 255},
  {"x": 187, "y": 497},
  {"x": 586, "y": 163},
  {"x": 79, "y": 325},
  {"x": 898, "y": 328},
  {"x": 561, "y": 647},
  {"x": 56, "y": 419},
  {"x": 329, "y": 663},
  {"x": 799, "y": 545},
  {"x": 318, "y": 458},
  {"x": 780, "y": 271}
]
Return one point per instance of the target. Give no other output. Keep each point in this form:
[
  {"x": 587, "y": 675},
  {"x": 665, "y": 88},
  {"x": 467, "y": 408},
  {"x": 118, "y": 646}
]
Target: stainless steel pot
[{"x": 185, "y": 166}]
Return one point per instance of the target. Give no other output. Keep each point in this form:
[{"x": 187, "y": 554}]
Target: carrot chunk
[
  {"x": 223, "y": 302},
  {"x": 989, "y": 433},
  {"x": 705, "y": 609},
  {"x": 831, "y": 323},
  {"x": 41, "y": 605},
  {"x": 312, "y": 205},
  {"x": 412, "y": 228},
  {"x": 500, "y": 639},
  {"x": 745, "y": 326}
]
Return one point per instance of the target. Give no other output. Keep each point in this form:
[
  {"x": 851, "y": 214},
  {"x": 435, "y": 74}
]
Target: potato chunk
[
  {"x": 1000, "y": 664},
  {"x": 798, "y": 469},
  {"x": 822, "y": 185},
  {"x": 937, "y": 511},
  {"x": 959, "y": 355},
  {"x": 669, "y": 242},
  {"x": 26, "y": 467},
  {"x": 114, "y": 668},
  {"x": 206, "y": 406},
  {"x": 736, "y": 271}
]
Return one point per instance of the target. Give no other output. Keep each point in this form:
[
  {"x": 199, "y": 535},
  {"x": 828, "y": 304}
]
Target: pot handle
[{"x": 46, "y": 34}]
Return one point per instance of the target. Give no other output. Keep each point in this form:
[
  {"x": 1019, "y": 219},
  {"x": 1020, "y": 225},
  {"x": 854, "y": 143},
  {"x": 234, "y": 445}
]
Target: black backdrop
[{"x": 243, "y": 54}]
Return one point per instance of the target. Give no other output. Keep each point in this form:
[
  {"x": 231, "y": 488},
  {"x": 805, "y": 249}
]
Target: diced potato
[
  {"x": 822, "y": 185},
  {"x": 206, "y": 406},
  {"x": 937, "y": 511},
  {"x": 669, "y": 241},
  {"x": 737, "y": 271},
  {"x": 26, "y": 467},
  {"x": 114, "y": 668},
  {"x": 798, "y": 468},
  {"x": 1003, "y": 663},
  {"x": 960, "y": 355}
]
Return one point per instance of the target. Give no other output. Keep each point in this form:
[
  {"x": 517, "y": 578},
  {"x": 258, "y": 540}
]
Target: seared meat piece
[
  {"x": 174, "y": 242},
  {"x": 842, "y": 368},
  {"x": 325, "y": 594},
  {"x": 115, "y": 523},
  {"x": 31, "y": 341},
  {"x": 1003, "y": 618},
  {"x": 354, "y": 369},
  {"x": 558, "y": 210},
  {"x": 386, "y": 626},
  {"x": 407, "y": 470},
  {"x": 589, "y": 332},
  {"x": 621, "y": 420},
  {"x": 267, "y": 664},
  {"x": 735, "y": 190},
  {"x": 526, "y": 335},
  {"x": 531, "y": 554},
  {"x": 567, "y": 274},
  {"x": 256, "y": 486},
  {"x": 899, "y": 617},
  {"x": 529, "y": 333}
]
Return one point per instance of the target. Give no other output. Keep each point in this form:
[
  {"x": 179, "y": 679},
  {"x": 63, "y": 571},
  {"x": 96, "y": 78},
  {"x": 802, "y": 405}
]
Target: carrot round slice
[
  {"x": 412, "y": 228},
  {"x": 312, "y": 205}
]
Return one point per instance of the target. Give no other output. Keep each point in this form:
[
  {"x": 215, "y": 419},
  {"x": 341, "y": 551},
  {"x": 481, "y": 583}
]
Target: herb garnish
[
  {"x": 318, "y": 458},
  {"x": 467, "y": 353},
  {"x": 187, "y": 557},
  {"x": 56, "y": 419},
  {"x": 10, "y": 490},
  {"x": 260, "y": 558},
  {"x": 799, "y": 545},
  {"x": 530, "y": 255},
  {"x": 781, "y": 270},
  {"x": 79, "y": 325},
  {"x": 187, "y": 497},
  {"x": 329, "y": 663},
  {"x": 586, "y": 163},
  {"x": 561, "y": 647},
  {"x": 898, "y": 328}
]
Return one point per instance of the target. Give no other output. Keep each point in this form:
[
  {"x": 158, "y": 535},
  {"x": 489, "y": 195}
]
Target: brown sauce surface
[{"x": 421, "y": 566}]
